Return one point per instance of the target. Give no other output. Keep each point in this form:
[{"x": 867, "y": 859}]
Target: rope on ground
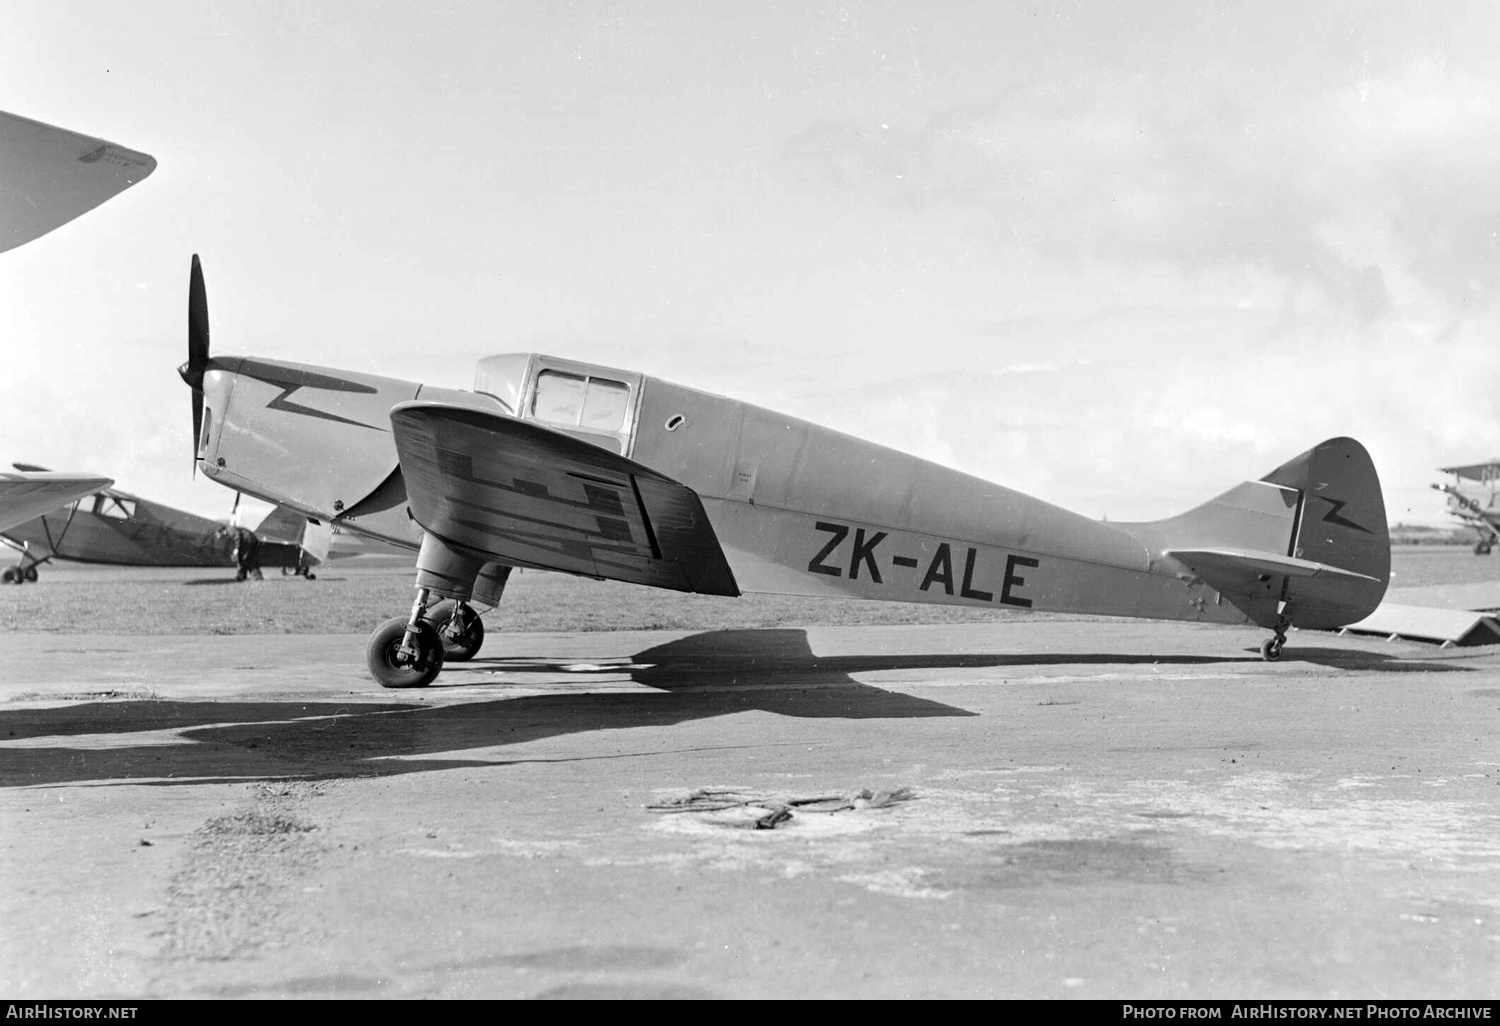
[{"x": 766, "y": 812}]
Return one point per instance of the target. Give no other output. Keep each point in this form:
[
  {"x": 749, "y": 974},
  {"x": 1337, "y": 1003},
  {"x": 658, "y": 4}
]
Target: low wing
[
  {"x": 531, "y": 497},
  {"x": 49, "y": 175},
  {"x": 25, "y": 496},
  {"x": 1252, "y": 561}
]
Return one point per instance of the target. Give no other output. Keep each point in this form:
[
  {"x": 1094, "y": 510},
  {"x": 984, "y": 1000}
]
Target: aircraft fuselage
[{"x": 797, "y": 508}]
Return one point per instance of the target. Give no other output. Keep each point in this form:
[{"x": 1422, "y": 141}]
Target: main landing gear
[
  {"x": 458, "y": 627},
  {"x": 19, "y": 574},
  {"x": 405, "y": 651},
  {"x": 409, "y": 651}
]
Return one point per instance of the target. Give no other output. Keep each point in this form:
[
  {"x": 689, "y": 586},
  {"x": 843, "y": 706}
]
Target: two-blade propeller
[{"x": 197, "y": 362}]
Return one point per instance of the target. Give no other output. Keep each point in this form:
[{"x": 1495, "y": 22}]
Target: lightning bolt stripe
[
  {"x": 281, "y": 403},
  {"x": 1332, "y": 516}
]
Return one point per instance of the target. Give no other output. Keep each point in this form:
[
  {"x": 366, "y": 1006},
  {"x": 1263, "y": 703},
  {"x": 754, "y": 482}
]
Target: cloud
[{"x": 1334, "y": 191}]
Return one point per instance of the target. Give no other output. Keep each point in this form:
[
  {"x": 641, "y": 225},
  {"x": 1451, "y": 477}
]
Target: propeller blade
[
  {"x": 193, "y": 370},
  {"x": 197, "y": 319}
]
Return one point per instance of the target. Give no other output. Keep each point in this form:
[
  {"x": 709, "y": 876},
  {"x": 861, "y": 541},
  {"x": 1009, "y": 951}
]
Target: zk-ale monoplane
[
  {"x": 564, "y": 466},
  {"x": 111, "y": 526}
]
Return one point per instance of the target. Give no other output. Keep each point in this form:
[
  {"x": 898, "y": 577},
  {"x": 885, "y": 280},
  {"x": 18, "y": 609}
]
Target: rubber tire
[
  {"x": 31, "y": 574},
  {"x": 462, "y": 648},
  {"x": 1270, "y": 650},
  {"x": 9, "y": 576},
  {"x": 380, "y": 655}
]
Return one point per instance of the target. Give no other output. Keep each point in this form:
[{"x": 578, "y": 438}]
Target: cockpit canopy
[{"x": 588, "y": 401}]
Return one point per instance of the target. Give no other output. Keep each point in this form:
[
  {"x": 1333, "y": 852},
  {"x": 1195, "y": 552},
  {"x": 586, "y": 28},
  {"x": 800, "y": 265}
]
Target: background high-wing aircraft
[
  {"x": 1477, "y": 504},
  {"x": 572, "y": 467},
  {"x": 50, "y": 175},
  {"x": 110, "y": 526}
]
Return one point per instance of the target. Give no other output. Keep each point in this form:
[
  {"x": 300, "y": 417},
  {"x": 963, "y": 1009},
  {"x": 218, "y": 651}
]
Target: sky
[{"x": 1119, "y": 256}]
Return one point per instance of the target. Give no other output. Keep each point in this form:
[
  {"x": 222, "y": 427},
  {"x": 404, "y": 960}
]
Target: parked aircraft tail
[
  {"x": 285, "y": 524},
  {"x": 282, "y": 524},
  {"x": 1307, "y": 545}
]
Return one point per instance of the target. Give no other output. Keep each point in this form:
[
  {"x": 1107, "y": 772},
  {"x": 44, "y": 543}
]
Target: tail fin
[
  {"x": 282, "y": 524},
  {"x": 1309, "y": 540}
]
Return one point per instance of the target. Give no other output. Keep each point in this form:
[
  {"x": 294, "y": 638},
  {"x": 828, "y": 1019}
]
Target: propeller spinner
[{"x": 197, "y": 362}]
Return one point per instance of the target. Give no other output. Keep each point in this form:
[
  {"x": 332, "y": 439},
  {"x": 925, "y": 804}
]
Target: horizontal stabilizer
[
  {"x": 525, "y": 495},
  {"x": 50, "y": 175},
  {"x": 1262, "y": 563}
]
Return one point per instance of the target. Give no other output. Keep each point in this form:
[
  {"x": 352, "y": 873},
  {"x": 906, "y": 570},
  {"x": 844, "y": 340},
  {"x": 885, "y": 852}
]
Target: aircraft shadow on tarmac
[{"x": 701, "y": 676}]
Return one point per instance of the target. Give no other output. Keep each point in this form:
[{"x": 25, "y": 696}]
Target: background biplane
[
  {"x": 559, "y": 465},
  {"x": 111, "y": 526},
  {"x": 1476, "y": 504}
]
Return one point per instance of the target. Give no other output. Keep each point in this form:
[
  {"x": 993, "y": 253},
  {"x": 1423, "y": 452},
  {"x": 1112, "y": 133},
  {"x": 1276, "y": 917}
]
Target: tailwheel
[
  {"x": 396, "y": 667},
  {"x": 458, "y": 627},
  {"x": 1270, "y": 649}
]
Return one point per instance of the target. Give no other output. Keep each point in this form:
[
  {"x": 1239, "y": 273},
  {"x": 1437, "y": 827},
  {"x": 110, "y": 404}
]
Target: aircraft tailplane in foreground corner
[
  {"x": 50, "y": 175},
  {"x": 572, "y": 467}
]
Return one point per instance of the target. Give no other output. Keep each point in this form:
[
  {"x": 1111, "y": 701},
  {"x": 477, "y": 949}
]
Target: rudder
[{"x": 1340, "y": 522}]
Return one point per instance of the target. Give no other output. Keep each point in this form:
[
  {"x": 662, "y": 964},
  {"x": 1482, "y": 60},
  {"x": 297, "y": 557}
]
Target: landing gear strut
[
  {"x": 405, "y": 651},
  {"x": 408, "y": 652}
]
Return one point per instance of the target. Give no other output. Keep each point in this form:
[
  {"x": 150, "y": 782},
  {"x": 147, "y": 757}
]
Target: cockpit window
[
  {"x": 559, "y": 397},
  {"x": 597, "y": 404},
  {"x": 605, "y": 405},
  {"x": 115, "y": 508}
]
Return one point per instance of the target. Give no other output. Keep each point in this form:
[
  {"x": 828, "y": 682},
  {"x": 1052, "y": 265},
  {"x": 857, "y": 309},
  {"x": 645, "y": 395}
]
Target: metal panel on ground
[{"x": 1425, "y": 623}]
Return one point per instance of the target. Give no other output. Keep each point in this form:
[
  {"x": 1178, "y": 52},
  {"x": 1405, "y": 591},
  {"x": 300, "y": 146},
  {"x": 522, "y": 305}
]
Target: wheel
[
  {"x": 310, "y": 576},
  {"x": 10, "y": 576},
  {"x": 1270, "y": 649},
  {"x": 31, "y": 574},
  {"x": 461, "y": 638},
  {"x": 239, "y": 575},
  {"x": 390, "y": 669}
]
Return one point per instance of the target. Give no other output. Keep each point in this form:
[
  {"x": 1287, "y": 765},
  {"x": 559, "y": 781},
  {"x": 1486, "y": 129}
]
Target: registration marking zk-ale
[{"x": 863, "y": 560}]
